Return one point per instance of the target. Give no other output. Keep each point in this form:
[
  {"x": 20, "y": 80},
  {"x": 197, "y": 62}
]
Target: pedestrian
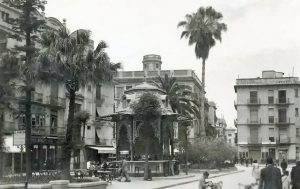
[
  {"x": 283, "y": 166},
  {"x": 295, "y": 176},
  {"x": 247, "y": 162},
  {"x": 256, "y": 171},
  {"x": 270, "y": 176},
  {"x": 124, "y": 171},
  {"x": 251, "y": 160},
  {"x": 202, "y": 182}
]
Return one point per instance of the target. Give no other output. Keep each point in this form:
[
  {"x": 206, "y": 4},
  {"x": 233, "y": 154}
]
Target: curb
[{"x": 196, "y": 180}]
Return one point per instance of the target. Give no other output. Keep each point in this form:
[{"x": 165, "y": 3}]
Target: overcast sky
[{"x": 262, "y": 35}]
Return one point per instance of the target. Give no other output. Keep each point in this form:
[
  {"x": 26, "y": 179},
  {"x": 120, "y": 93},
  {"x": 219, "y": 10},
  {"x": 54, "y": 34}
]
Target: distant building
[
  {"x": 230, "y": 135},
  {"x": 212, "y": 118},
  {"x": 268, "y": 116},
  {"x": 220, "y": 128},
  {"x": 151, "y": 70}
]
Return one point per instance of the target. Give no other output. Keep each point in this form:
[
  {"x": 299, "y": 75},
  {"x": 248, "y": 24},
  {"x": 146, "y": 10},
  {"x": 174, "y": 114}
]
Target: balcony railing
[
  {"x": 254, "y": 122},
  {"x": 283, "y": 121},
  {"x": 253, "y": 101},
  {"x": 45, "y": 130},
  {"x": 35, "y": 97},
  {"x": 282, "y": 101},
  {"x": 56, "y": 101},
  {"x": 284, "y": 140},
  {"x": 254, "y": 140}
]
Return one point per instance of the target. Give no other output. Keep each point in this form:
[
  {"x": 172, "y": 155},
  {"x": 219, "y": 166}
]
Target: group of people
[{"x": 270, "y": 177}]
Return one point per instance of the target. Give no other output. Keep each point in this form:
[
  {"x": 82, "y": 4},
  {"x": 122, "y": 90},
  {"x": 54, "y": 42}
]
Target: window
[
  {"x": 296, "y": 112},
  {"x": 156, "y": 66},
  {"x": 88, "y": 127},
  {"x": 253, "y": 115},
  {"x": 282, "y": 96},
  {"x": 229, "y": 140},
  {"x": 33, "y": 120},
  {"x": 271, "y": 134},
  {"x": 297, "y": 132},
  {"x": 282, "y": 115},
  {"x": 297, "y": 153},
  {"x": 98, "y": 92},
  {"x": 229, "y": 135},
  {"x": 89, "y": 88},
  {"x": 128, "y": 87},
  {"x": 253, "y": 97},
  {"x": 271, "y": 97},
  {"x": 271, "y": 115},
  {"x": 296, "y": 93}
]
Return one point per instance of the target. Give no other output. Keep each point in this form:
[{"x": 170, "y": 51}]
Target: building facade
[
  {"x": 230, "y": 135},
  {"x": 151, "y": 70},
  {"x": 50, "y": 111},
  {"x": 268, "y": 116}
]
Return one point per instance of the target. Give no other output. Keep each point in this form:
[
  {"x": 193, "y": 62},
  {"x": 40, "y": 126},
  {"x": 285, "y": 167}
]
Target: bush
[{"x": 211, "y": 154}]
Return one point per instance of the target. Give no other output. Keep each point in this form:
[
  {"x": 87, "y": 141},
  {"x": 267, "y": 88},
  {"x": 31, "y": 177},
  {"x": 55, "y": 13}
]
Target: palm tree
[
  {"x": 148, "y": 110},
  {"x": 203, "y": 29},
  {"x": 76, "y": 64}
]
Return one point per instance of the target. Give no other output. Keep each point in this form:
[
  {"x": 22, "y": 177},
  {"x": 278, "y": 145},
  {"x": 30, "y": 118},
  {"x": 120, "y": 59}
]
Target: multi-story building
[
  {"x": 268, "y": 116},
  {"x": 151, "y": 70},
  {"x": 220, "y": 128},
  {"x": 50, "y": 112},
  {"x": 230, "y": 135},
  {"x": 212, "y": 118}
]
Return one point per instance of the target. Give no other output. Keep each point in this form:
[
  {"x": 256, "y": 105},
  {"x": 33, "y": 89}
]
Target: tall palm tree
[
  {"x": 203, "y": 29},
  {"x": 76, "y": 64}
]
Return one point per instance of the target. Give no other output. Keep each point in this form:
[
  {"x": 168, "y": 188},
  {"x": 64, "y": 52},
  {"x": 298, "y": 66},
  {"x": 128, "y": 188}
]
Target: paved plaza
[{"x": 230, "y": 180}]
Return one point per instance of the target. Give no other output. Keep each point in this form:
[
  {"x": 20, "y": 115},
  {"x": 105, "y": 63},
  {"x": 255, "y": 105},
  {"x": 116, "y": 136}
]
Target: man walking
[
  {"x": 124, "y": 171},
  {"x": 270, "y": 176},
  {"x": 295, "y": 176}
]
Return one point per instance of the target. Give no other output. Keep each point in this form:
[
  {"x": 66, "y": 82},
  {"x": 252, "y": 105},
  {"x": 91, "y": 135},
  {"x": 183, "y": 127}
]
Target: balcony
[
  {"x": 282, "y": 101},
  {"x": 56, "y": 101},
  {"x": 253, "y": 101},
  {"x": 283, "y": 121},
  {"x": 254, "y": 140},
  {"x": 45, "y": 130},
  {"x": 254, "y": 122},
  {"x": 35, "y": 97},
  {"x": 284, "y": 140}
]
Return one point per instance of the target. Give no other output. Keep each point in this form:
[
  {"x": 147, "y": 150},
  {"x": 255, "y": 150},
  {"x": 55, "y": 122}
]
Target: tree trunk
[
  {"x": 202, "y": 110},
  {"x": 67, "y": 146},
  {"x": 83, "y": 132},
  {"x": 171, "y": 140},
  {"x": 186, "y": 151},
  {"x": 146, "y": 175},
  {"x": 28, "y": 134}
]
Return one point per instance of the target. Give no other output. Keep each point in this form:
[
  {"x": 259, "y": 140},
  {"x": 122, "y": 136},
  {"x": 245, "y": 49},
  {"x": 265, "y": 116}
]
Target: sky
[{"x": 261, "y": 35}]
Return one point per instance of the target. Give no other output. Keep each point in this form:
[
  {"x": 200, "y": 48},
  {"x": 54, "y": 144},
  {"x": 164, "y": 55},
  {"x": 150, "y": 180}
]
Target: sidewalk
[{"x": 164, "y": 182}]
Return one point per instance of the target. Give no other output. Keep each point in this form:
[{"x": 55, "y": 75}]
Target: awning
[
  {"x": 104, "y": 149},
  {"x": 9, "y": 147}
]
